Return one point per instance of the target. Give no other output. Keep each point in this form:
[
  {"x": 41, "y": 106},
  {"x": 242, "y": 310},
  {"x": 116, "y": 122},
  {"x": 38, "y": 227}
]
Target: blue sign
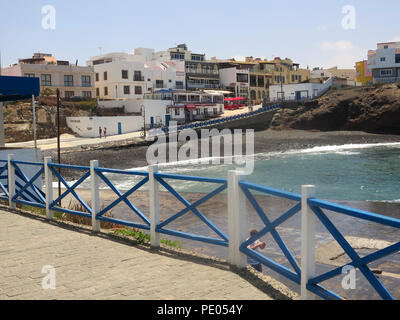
[{"x": 18, "y": 88}]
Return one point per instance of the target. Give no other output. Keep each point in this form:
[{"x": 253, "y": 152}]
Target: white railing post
[
  {"x": 231, "y": 217},
  {"x": 237, "y": 219},
  {"x": 154, "y": 207},
  {"x": 307, "y": 241},
  {"x": 11, "y": 181},
  {"x": 95, "y": 182},
  {"x": 48, "y": 177}
]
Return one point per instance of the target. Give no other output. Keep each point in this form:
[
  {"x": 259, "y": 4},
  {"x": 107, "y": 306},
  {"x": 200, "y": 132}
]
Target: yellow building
[
  {"x": 265, "y": 73},
  {"x": 362, "y": 74}
]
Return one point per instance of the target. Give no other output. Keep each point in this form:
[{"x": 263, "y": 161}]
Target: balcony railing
[
  {"x": 201, "y": 71},
  {"x": 202, "y": 86},
  {"x": 386, "y": 79}
]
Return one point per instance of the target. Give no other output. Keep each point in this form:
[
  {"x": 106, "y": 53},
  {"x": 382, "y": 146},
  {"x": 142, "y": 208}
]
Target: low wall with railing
[{"x": 239, "y": 192}]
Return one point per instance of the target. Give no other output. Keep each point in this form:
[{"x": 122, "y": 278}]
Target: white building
[
  {"x": 299, "y": 91},
  {"x": 182, "y": 106},
  {"x": 235, "y": 80},
  {"x": 123, "y": 76},
  {"x": 384, "y": 62}
]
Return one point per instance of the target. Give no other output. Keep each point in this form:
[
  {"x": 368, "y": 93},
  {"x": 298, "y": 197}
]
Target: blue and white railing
[{"x": 20, "y": 189}]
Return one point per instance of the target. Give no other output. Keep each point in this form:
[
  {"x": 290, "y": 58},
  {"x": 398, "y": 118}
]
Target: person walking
[
  {"x": 105, "y": 132},
  {"x": 100, "y": 131}
]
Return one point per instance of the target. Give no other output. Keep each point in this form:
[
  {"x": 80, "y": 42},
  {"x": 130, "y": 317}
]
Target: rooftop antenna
[{"x": 100, "y": 49}]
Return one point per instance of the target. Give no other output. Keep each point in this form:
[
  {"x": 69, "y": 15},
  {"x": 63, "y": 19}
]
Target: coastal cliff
[{"x": 369, "y": 109}]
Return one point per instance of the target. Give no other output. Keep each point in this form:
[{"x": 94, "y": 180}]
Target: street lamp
[
  {"x": 143, "y": 109},
  {"x": 58, "y": 141}
]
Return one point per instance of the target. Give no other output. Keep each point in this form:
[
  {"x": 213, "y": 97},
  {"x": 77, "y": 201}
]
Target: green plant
[
  {"x": 47, "y": 92},
  {"x": 143, "y": 238}
]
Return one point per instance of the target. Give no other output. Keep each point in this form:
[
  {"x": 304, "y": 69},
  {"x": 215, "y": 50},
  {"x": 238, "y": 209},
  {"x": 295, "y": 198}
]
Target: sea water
[{"x": 364, "y": 172}]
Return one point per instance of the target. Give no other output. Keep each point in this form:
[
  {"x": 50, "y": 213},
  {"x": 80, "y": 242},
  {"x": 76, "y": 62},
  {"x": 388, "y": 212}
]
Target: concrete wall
[
  {"x": 88, "y": 127},
  {"x": 28, "y": 155},
  {"x": 130, "y": 105},
  {"x": 307, "y": 90}
]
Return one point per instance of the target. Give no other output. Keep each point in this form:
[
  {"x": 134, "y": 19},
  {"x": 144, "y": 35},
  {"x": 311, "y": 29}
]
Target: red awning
[
  {"x": 234, "y": 99},
  {"x": 191, "y": 107}
]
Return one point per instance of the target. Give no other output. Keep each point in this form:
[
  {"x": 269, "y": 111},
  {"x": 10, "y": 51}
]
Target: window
[
  {"x": 29, "y": 75},
  {"x": 87, "y": 94},
  {"x": 215, "y": 110},
  {"x": 262, "y": 67},
  {"x": 124, "y": 74},
  {"x": 177, "y": 56},
  {"x": 177, "y": 112},
  {"x": 383, "y": 59},
  {"x": 45, "y": 79},
  {"x": 196, "y": 57},
  {"x": 260, "y": 81},
  {"x": 138, "y": 90},
  {"x": 105, "y": 75},
  {"x": 106, "y": 91},
  {"x": 68, "y": 81},
  {"x": 242, "y": 78},
  {"x": 293, "y": 77},
  {"x": 159, "y": 84},
  {"x": 97, "y": 77},
  {"x": 386, "y": 72},
  {"x": 179, "y": 84},
  {"x": 397, "y": 58},
  {"x": 86, "y": 81},
  {"x": 97, "y": 92},
  {"x": 137, "y": 76},
  {"x": 69, "y": 94},
  {"x": 127, "y": 90},
  {"x": 385, "y": 46}
]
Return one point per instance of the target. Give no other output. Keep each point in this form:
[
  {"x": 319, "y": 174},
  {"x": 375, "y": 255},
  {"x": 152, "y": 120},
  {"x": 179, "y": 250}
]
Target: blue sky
[{"x": 310, "y": 32}]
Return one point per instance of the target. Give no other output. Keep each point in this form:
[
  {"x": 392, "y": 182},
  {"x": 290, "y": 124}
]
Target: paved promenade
[{"x": 101, "y": 267}]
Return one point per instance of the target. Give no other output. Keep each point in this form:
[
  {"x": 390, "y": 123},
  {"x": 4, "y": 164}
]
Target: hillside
[
  {"x": 371, "y": 109},
  {"x": 18, "y": 117}
]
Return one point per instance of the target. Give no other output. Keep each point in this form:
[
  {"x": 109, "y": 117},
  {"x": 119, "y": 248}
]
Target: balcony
[
  {"x": 386, "y": 79},
  {"x": 137, "y": 78},
  {"x": 202, "y": 71},
  {"x": 202, "y": 86}
]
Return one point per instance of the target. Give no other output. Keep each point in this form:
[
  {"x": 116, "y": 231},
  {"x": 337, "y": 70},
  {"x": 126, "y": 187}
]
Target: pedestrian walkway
[
  {"x": 92, "y": 266},
  {"x": 68, "y": 141}
]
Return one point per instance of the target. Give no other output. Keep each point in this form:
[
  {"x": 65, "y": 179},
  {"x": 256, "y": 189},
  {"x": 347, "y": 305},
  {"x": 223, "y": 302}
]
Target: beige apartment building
[
  {"x": 273, "y": 72},
  {"x": 70, "y": 79}
]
